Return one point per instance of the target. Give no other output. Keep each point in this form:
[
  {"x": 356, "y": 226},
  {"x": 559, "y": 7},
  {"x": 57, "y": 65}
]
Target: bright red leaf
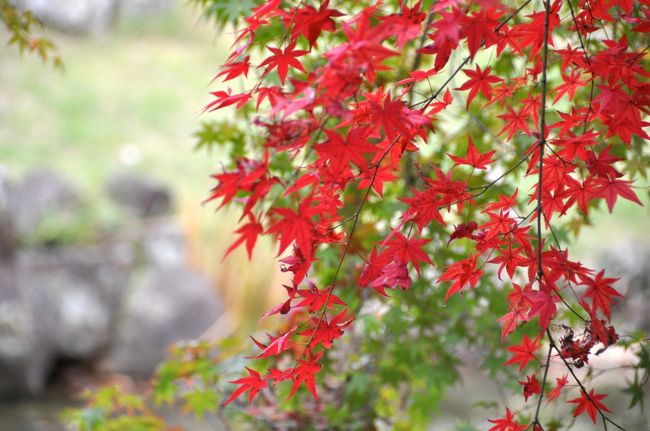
[
  {"x": 590, "y": 404},
  {"x": 524, "y": 352}
]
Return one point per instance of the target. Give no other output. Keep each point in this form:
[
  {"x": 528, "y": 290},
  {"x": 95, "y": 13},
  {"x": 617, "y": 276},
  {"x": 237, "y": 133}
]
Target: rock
[
  {"x": 25, "y": 356},
  {"x": 76, "y": 293},
  {"x": 76, "y": 16},
  {"x": 41, "y": 193},
  {"x": 7, "y": 233},
  {"x": 119, "y": 303},
  {"x": 163, "y": 244},
  {"x": 631, "y": 262},
  {"x": 143, "y": 196},
  {"x": 56, "y": 304},
  {"x": 168, "y": 305},
  {"x": 143, "y": 8}
]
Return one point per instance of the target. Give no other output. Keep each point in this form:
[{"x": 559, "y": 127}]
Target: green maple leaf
[
  {"x": 226, "y": 11},
  {"x": 201, "y": 401},
  {"x": 635, "y": 390}
]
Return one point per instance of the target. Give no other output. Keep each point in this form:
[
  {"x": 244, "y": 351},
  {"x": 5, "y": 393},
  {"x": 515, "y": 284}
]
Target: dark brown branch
[{"x": 544, "y": 378}]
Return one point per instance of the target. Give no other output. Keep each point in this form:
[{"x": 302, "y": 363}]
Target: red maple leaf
[
  {"x": 601, "y": 292},
  {"x": 571, "y": 84},
  {"x": 309, "y": 22},
  {"x": 234, "y": 69},
  {"x": 611, "y": 188},
  {"x": 530, "y": 386},
  {"x": 531, "y": 32},
  {"x": 327, "y": 330},
  {"x": 578, "y": 192},
  {"x": 515, "y": 121},
  {"x": 407, "y": 24},
  {"x": 510, "y": 259},
  {"x": 542, "y": 304},
  {"x": 423, "y": 208},
  {"x": 298, "y": 264},
  {"x": 446, "y": 36},
  {"x": 473, "y": 158},
  {"x": 417, "y": 76},
  {"x": 282, "y": 59},
  {"x": 510, "y": 321},
  {"x": 463, "y": 230},
  {"x": 479, "y": 28},
  {"x": 254, "y": 383},
  {"x": 499, "y": 224},
  {"x": 480, "y": 82},
  {"x": 376, "y": 178},
  {"x": 276, "y": 345},
  {"x": 590, "y": 404},
  {"x": 295, "y": 226},
  {"x": 248, "y": 233},
  {"x": 315, "y": 299},
  {"x": 226, "y": 98},
  {"x": 561, "y": 382},
  {"x": 407, "y": 250},
  {"x": 506, "y": 423},
  {"x": 391, "y": 276},
  {"x": 380, "y": 109},
  {"x": 305, "y": 372},
  {"x": 462, "y": 273},
  {"x": 524, "y": 352},
  {"x": 340, "y": 152}
]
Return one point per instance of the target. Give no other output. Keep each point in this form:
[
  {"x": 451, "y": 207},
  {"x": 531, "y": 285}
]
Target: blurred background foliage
[{"x": 132, "y": 98}]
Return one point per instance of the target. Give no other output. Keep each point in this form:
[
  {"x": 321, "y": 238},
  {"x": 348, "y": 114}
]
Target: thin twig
[
  {"x": 462, "y": 64},
  {"x": 541, "y": 394},
  {"x": 579, "y": 383}
]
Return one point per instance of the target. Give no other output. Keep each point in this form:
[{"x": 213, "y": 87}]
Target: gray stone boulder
[
  {"x": 143, "y": 8},
  {"x": 40, "y": 194},
  {"x": 76, "y": 293},
  {"x": 92, "y": 16},
  {"x": 631, "y": 262},
  {"x": 7, "y": 233},
  {"x": 167, "y": 305},
  {"x": 56, "y": 304},
  {"x": 167, "y": 302},
  {"x": 141, "y": 195},
  {"x": 85, "y": 16},
  {"x": 117, "y": 303},
  {"x": 24, "y": 355}
]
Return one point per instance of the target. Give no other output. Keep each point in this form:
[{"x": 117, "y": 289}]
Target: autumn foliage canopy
[{"x": 416, "y": 159}]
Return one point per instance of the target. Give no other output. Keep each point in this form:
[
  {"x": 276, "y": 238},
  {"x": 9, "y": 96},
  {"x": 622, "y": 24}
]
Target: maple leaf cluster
[{"x": 322, "y": 101}]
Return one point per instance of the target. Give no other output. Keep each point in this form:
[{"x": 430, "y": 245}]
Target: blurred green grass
[{"x": 134, "y": 93}]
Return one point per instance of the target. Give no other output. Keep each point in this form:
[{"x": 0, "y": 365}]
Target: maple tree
[
  {"x": 350, "y": 169},
  {"x": 423, "y": 166}
]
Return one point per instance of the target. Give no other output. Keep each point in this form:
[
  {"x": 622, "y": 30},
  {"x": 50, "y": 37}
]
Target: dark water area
[
  {"x": 36, "y": 414},
  {"x": 44, "y": 413}
]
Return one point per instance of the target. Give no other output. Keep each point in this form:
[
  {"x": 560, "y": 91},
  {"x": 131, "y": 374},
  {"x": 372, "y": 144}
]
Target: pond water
[{"x": 35, "y": 414}]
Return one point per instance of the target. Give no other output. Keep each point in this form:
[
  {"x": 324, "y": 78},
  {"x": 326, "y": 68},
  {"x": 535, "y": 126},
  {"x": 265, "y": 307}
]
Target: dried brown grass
[{"x": 247, "y": 288}]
